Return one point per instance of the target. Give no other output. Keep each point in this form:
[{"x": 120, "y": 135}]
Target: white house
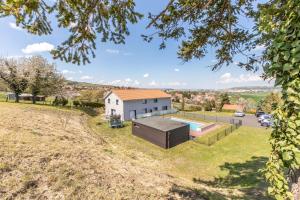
[{"x": 130, "y": 102}]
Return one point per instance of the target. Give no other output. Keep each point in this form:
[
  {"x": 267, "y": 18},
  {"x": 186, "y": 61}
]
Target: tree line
[{"x": 33, "y": 74}]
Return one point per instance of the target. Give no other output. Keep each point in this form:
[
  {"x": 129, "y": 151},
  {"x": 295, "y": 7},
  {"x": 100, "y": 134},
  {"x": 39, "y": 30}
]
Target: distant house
[
  {"x": 233, "y": 107},
  {"x": 128, "y": 103}
]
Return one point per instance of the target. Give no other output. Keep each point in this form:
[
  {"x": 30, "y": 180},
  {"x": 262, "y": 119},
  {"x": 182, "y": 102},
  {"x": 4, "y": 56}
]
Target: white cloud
[
  {"x": 80, "y": 72},
  {"x": 112, "y": 51},
  {"x": 86, "y": 78},
  {"x": 176, "y": 70},
  {"x": 126, "y": 82},
  {"x": 100, "y": 82},
  {"x": 243, "y": 78},
  {"x": 38, "y": 47},
  {"x": 153, "y": 83},
  {"x": 70, "y": 78},
  {"x": 259, "y": 48},
  {"x": 14, "y": 26},
  {"x": 115, "y": 82},
  {"x": 65, "y": 71},
  {"x": 146, "y": 75},
  {"x": 72, "y": 24}
]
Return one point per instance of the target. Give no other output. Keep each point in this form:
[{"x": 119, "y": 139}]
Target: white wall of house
[
  {"x": 111, "y": 104},
  {"x": 139, "y": 106}
]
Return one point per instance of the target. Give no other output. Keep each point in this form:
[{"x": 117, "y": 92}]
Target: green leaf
[
  {"x": 287, "y": 67},
  {"x": 286, "y": 56},
  {"x": 286, "y": 157},
  {"x": 275, "y": 59}
]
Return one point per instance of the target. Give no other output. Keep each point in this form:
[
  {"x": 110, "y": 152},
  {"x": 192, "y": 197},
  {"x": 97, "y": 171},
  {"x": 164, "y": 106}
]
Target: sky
[{"x": 136, "y": 63}]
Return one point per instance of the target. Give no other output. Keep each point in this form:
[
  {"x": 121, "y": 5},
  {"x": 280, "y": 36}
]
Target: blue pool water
[{"x": 194, "y": 126}]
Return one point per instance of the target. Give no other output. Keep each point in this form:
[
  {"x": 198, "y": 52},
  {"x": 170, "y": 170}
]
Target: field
[
  {"x": 257, "y": 96},
  {"x": 48, "y": 152}
]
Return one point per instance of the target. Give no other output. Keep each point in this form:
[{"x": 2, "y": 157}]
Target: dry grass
[{"x": 47, "y": 153}]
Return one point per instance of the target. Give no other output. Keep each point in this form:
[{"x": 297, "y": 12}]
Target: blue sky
[{"x": 136, "y": 63}]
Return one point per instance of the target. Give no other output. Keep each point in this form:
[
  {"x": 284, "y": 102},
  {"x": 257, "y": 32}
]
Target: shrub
[
  {"x": 76, "y": 103},
  {"x": 196, "y": 108},
  {"x": 91, "y": 104},
  {"x": 60, "y": 101}
]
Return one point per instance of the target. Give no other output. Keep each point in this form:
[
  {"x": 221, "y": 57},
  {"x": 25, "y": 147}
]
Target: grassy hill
[{"x": 53, "y": 153}]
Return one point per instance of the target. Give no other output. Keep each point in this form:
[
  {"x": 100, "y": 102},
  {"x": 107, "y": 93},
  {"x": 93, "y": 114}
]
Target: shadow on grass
[
  {"x": 192, "y": 194},
  {"x": 246, "y": 177}
]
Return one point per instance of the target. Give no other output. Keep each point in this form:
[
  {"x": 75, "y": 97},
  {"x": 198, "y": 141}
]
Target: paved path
[{"x": 249, "y": 120}]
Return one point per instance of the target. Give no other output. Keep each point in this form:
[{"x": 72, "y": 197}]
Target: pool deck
[{"x": 206, "y": 129}]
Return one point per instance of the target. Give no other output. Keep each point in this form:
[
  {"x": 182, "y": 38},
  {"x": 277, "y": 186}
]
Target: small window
[
  {"x": 117, "y": 102},
  {"x": 155, "y": 108},
  {"x": 145, "y": 101},
  {"x": 165, "y": 108},
  {"x": 146, "y": 110},
  {"x": 108, "y": 100},
  {"x": 155, "y": 100}
]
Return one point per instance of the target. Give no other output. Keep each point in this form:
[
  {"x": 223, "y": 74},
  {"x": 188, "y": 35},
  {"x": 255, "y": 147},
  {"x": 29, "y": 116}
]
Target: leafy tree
[
  {"x": 185, "y": 94},
  {"x": 270, "y": 102},
  {"x": 208, "y": 105},
  {"x": 221, "y": 100},
  {"x": 200, "y": 25},
  {"x": 283, "y": 57},
  {"x": 43, "y": 77},
  {"x": 86, "y": 20},
  {"x": 91, "y": 95},
  {"x": 12, "y": 72}
]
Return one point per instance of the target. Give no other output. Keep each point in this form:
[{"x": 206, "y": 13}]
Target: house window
[
  {"x": 108, "y": 100},
  {"x": 117, "y": 102},
  {"x": 155, "y": 100},
  {"x": 112, "y": 111},
  {"x": 165, "y": 108},
  {"x": 155, "y": 108},
  {"x": 146, "y": 110},
  {"x": 145, "y": 101}
]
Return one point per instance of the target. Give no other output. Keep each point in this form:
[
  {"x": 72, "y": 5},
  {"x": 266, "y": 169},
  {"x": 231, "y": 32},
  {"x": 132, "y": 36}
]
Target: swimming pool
[{"x": 194, "y": 126}]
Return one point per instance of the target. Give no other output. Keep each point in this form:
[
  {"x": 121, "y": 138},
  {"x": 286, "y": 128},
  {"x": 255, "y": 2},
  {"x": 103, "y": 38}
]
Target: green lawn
[
  {"x": 2, "y": 96},
  {"x": 233, "y": 162},
  {"x": 246, "y": 95}
]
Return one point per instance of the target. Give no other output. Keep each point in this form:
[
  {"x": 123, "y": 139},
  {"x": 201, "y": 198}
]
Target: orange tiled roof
[
  {"x": 135, "y": 94},
  {"x": 232, "y": 107}
]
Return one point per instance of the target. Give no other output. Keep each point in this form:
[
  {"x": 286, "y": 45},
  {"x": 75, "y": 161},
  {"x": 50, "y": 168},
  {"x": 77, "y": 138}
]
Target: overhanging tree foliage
[
  {"x": 283, "y": 58},
  {"x": 86, "y": 20},
  {"x": 217, "y": 24}
]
